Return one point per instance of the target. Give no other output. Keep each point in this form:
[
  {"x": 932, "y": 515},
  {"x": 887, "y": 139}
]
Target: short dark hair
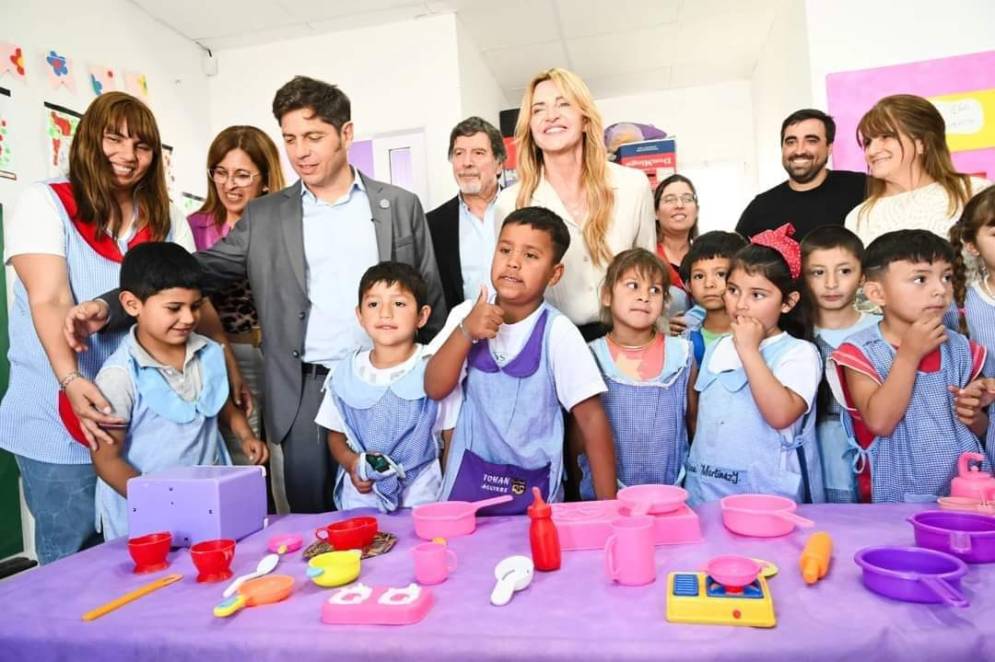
[
  {"x": 811, "y": 114},
  {"x": 544, "y": 220},
  {"x": 832, "y": 236},
  {"x": 328, "y": 102},
  {"x": 390, "y": 273},
  {"x": 152, "y": 267},
  {"x": 708, "y": 246},
  {"x": 471, "y": 126},
  {"x": 905, "y": 245}
]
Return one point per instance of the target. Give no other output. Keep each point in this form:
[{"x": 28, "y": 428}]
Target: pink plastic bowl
[
  {"x": 761, "y": 515},
  {"x": 652, "y": 499},
  {"x": 733, "y": 571}
]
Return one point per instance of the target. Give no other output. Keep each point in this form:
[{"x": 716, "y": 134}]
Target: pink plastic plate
[
  {"x": 290, "y": 541},
  {"x": 652, "y": 499},
  {"x": 733, "y": 571}
]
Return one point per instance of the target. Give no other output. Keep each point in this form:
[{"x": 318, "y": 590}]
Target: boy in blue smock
[
  {"x": 166, "y": 382},
  {"x": 831, "y": 258},
  {"x": 901, "y": 379},
  {"x": 384, "y": 433},
  {"x": 520, "y": 363}
]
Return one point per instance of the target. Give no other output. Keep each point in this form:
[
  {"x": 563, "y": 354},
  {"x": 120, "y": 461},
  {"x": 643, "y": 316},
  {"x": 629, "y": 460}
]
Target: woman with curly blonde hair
[{"x": 563, "y": 166}]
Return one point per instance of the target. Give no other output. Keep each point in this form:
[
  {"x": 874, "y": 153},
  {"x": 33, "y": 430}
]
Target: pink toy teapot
[{"x": 971, "y": 481}]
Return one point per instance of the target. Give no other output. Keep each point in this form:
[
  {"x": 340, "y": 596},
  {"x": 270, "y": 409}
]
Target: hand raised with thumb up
[{"x": 484, "y": 319}]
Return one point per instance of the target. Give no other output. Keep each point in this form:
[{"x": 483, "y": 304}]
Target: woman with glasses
[
  {"x": 242, "y": 164},
  {"x": 676, "y": 204},
  {"x": 563, "y": 166}
]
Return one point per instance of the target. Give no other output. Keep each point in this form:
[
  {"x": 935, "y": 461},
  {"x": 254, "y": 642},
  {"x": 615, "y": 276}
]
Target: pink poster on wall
[{"x": 961, "y": 87}]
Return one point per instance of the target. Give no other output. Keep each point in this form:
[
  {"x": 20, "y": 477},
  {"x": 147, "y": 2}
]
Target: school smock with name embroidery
[{"x": 735, "y": 450}]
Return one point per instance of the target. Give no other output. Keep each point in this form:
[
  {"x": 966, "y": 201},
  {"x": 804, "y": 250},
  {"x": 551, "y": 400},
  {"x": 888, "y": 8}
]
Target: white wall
[
  {"x": 715, "y": 141},
  {"x": 112, "y": 33},
  {"x": 845, "y": 35},
  {"x": 480, "y": 93},
  {"x": 399, "y": 77},
  {"x": 781, "y": 84}
]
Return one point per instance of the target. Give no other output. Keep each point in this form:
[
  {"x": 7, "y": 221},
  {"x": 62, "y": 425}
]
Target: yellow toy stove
[{"x": 694, "y": 597}]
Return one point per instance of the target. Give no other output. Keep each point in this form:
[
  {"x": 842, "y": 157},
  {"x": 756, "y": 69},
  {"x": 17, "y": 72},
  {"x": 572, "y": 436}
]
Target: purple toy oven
[{"x": 198, "y": 503}]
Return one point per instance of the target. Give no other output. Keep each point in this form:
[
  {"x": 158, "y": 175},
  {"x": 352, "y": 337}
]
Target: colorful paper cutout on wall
[
  {"x": 6, "y": 151},
  {"x": 61, "y": 126},
  {"x": 102, "y": 79},
  {"x": 136, "y": 84},
  {"x": 11, "y": 60},
  {"x": 61, "y": 71},
  {"x": 167, "y": 165},
  {"x": 962, "y": 88}
]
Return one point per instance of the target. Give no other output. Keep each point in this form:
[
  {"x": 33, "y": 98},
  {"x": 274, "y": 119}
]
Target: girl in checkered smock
[
  {"x": 903, "y": 381},
  {"x": 974, "y": 234},
  {"x": 650, "y": 401},
  {"x": 755, "y": 428}
]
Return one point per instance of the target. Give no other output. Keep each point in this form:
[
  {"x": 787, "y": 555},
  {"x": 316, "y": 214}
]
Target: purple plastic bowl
[
  {"x": 968, "y": 536},
  {"x": 913, "y": 574}
]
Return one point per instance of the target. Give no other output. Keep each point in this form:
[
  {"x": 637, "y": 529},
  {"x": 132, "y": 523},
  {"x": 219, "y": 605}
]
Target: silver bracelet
[{"x": 68, "y": 379}]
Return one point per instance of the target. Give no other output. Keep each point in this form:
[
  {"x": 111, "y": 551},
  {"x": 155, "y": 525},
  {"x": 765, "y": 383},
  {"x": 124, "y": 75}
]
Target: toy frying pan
[{"x": 261, "y": 591}]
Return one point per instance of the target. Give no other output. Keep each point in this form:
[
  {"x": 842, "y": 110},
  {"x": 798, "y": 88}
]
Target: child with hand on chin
[
  {"x": 520, "y": 363},
  {"x": 166, "y": 382},
  {"x": 907, "y": 382},
  {"x": 756, "y": 410}
]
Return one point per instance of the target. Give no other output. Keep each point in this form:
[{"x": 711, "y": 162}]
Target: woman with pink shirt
[{"x": 242, "y": 164}]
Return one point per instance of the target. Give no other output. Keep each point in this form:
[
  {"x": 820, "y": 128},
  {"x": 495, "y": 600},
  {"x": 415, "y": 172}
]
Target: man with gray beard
[{"x": 463, "y": 232}]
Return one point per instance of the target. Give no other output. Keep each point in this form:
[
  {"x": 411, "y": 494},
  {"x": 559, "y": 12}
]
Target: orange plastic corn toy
[{"x": 816, "y": 556}]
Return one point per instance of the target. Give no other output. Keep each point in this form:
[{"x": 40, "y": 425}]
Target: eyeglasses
[
  {"x": 241, "y": 178},
  {"x": 686, "y": 198}
]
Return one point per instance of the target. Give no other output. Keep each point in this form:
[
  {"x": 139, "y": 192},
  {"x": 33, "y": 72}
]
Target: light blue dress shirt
[
  {"x": 477, "y": 240},
  {"x": 340, "y": 244}
]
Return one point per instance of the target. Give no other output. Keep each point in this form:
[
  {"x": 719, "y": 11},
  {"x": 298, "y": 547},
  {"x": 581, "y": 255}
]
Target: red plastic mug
[
  {"x": 149, "y": 551},
  {"x": 353, "y": 533}
]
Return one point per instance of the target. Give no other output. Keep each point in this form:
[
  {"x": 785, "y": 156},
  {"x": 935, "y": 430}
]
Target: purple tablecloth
[{"x": 573, "y": 613}]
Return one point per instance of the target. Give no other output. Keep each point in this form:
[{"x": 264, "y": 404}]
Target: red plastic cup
[
  {"x": 149, "y": 551},
  {"x": 213, "y": 558},
  {"x": 354, "y": 533}
]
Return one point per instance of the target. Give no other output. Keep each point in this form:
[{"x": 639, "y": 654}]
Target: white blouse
[
  {"x": 919, "y": 209},
  {"x": 633, "y": 225}
]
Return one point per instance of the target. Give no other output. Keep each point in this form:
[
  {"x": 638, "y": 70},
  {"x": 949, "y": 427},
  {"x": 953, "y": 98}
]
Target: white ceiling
[{"x": 617, "y": 46}]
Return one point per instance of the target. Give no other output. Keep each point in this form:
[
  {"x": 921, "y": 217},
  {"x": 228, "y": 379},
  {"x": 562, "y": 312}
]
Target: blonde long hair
[
  {"x": 919, "y": 120},
  {"x": 91, "y": 175},
  {"x": 261, "y": 151},
  {"x": 600, "y": 195}
]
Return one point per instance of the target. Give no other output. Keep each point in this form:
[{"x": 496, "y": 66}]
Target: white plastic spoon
[
  {"x": 266, "y": 565},
  {"x": 513, "y": 574}
]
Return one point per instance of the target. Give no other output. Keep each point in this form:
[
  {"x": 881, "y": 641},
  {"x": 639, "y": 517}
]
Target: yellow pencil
[{"x": 129, "y": 597}]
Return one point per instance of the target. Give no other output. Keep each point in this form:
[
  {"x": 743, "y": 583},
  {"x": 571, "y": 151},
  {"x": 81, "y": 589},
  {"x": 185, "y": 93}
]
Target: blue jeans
[{"x": 60, "y": 498}]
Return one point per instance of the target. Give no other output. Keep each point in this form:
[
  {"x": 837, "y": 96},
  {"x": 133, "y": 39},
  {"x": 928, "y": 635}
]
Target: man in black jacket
[{"x": 463, "y": 232}]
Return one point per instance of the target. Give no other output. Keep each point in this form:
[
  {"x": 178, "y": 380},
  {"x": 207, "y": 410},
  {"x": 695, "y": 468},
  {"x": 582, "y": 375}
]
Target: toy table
[{"x": 571, "y": 614}]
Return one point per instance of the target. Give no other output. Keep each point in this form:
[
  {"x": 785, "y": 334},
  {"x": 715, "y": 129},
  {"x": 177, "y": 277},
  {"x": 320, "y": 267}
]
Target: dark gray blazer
[{"x": 267, "y": 246}]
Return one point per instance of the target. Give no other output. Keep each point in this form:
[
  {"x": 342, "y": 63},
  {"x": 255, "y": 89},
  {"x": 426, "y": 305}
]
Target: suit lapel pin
[{"x": 384, "y": 203}]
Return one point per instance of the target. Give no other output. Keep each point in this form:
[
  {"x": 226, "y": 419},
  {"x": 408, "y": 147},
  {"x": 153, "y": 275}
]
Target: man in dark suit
[
  {"x": 463, "y": 231},
  {"x": 304, "y": 250}
]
